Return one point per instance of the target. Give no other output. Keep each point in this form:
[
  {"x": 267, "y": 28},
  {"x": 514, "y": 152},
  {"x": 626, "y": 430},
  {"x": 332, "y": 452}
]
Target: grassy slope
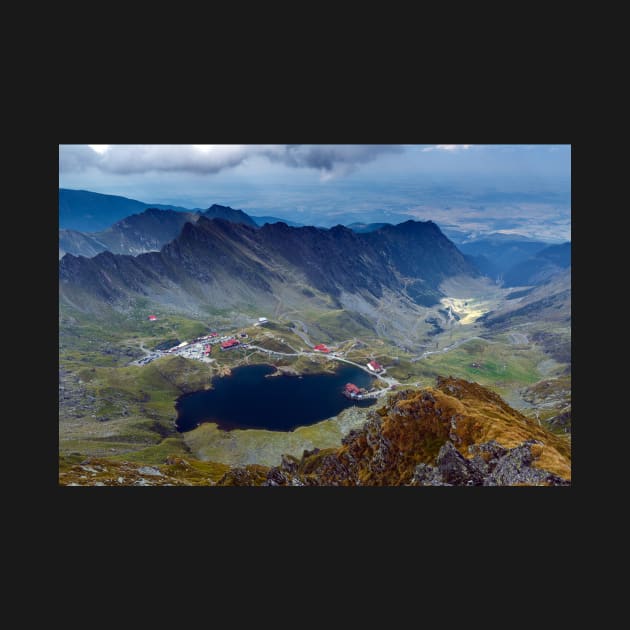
[
  {"x": 140, "y": 403},
  {"x": 334, "y": 325},
  {"x": 241, "y": 447}
]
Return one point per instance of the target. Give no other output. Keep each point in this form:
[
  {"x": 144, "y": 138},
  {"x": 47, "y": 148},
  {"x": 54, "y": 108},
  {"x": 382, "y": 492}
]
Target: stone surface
[
  {"x": 455, "y": 469},
  {"x": 149, "y": 470}
]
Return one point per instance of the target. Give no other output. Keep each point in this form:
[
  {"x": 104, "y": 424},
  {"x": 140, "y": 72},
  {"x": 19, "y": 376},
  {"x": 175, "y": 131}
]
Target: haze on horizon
[{"x": 517, "y": 189}]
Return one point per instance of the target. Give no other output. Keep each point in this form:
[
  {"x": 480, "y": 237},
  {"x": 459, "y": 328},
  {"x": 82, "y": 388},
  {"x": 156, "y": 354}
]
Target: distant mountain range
[
  {"x": 214, "y": 263},
  {"x": 263, "y": 220},
  {"x": 509, "y": 259},
  {"x": 90, "y": 212},
  {"x": 516, "y": 261},
  {"x": 541, "y": 267},
  {"x": 91, "y": 223},
  {"x": 140, "y": 233},
  {"x": 87, "y": 211},
  {"x": 496, "y": 254}
]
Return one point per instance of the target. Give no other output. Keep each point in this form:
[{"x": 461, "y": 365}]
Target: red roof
[
  {"x": 375, "y": 365},
  {"x": 230, "y": 343},
  {"x": 351, "y": 388},
  {"x": 152, "y": 317},
  {"x": 321, "y": 347},
  {"x": 215, "y": 334}
]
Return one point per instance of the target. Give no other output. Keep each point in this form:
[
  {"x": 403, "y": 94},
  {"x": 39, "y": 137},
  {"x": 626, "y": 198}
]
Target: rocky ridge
[{"x": 218, "y": 262}]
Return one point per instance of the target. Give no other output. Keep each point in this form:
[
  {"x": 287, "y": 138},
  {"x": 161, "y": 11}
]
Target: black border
[{"x": 287, "y": 525}]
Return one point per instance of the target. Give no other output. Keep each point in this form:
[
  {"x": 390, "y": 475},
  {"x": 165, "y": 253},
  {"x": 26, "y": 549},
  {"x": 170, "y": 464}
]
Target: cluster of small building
[{"x": 201, "y": 347}]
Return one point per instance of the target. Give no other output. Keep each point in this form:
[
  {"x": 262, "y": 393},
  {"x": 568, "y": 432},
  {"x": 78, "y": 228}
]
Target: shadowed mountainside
[
  {"x": 79, "y": 244},
  {"x": 541, "y": 268},
  {"x": 496, "y": 254},
  {"x": 145, "y": 232},
  {"x": 220, "y": 263},
  {"x": 548, "y": 302},
  {"x": 87, "y": 211}
]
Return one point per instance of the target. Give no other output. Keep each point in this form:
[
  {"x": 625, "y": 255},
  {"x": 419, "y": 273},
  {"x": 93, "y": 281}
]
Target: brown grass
[{"x": 415, "y": 424}]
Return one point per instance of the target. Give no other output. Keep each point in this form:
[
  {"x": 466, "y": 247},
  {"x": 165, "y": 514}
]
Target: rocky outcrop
[
  {"x": 515, "y": 469},
  {"x": 426, "y": 475},
  {"x": 455, "y": 469},
  {"x": 435, "y": 437},
  {"x": 491, "y": 465},
  {"x": 252, "y": 475}
]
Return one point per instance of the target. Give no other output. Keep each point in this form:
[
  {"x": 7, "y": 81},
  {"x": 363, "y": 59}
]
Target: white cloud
[
  {"x": 452, "y": 147},
  {"x": 448, "y": 147},
  {"x": 99, "y": 148}
]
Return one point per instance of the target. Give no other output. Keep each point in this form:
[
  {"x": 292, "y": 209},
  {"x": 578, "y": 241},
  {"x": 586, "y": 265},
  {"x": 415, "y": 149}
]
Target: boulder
[
  {"x": 149, "y": 470},
  {"x": 455, "y": 469},
  {"x": 515, "y": 468},
  {"x": 425, "y": 475}
]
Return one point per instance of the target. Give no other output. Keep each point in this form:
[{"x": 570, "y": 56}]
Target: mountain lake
[{"x": 252, "y": 399}]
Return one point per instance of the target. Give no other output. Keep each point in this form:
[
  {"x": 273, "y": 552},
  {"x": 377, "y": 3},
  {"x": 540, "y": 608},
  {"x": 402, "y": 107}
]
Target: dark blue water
[{"x": 249, "y": 400}]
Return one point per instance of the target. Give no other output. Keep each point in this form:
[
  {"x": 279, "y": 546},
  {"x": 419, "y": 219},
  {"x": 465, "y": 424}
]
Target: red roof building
[
  {"x": 351, "y": 388},
  {"x": 230, "y": 343},
  {"x": 152, "y": 318},
  {"x": 375, "y": 367},
  {"x": 321, "y": 348},
  {"x": 214, "y": 334},
  {"x": 207, "y": 349}
]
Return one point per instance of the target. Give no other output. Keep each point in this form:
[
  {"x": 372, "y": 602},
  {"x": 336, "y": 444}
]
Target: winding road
[
  {"x": 386, "y": 379},
  {"x": 302, "y": 334},
  {"x": 443, "y": 350}
]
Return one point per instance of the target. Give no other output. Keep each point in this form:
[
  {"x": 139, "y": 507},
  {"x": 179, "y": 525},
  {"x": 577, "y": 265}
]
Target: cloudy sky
[{"x": 511, "y": 188}]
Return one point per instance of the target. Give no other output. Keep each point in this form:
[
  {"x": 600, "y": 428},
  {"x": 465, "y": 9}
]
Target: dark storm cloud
[{"x": 331, "y": 160}]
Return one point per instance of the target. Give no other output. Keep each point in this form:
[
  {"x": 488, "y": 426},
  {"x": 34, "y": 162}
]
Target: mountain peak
[
  {"x": 88, "y": 211},
  {"x": 217, "y": 211}
]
